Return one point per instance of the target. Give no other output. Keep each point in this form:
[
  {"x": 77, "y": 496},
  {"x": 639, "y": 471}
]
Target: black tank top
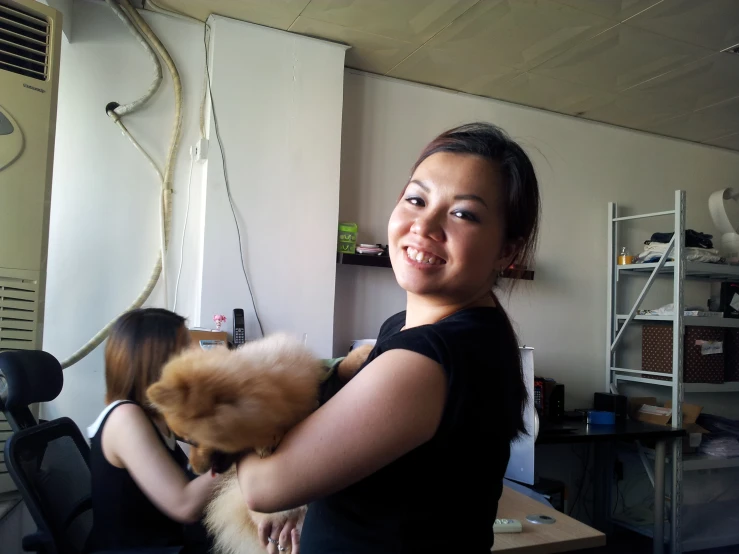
[
  {"x": 124, "y": 517},
  {"x": 442, "y": 496}
]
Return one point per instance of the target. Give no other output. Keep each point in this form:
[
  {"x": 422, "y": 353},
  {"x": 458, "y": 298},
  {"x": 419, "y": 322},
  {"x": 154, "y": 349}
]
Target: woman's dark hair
[
  {"x": 521, "y": 226},
  {"x": 139, "y": 345}
]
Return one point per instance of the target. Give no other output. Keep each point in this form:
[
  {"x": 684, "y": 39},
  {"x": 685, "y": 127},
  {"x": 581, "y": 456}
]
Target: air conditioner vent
[
  {"x": 24, "y": 43},
  {"x": 18, "y": 313}
]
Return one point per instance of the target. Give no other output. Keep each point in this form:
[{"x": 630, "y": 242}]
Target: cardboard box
[
  {"x": 648, "y": 410},
  {"x": 196, "y": 335}
]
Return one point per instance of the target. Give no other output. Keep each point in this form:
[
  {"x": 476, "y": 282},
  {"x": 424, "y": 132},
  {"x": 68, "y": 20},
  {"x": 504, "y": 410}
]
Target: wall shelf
[
  {"x": 370, "y": 260},
  {"x": 373, "y": 260}
]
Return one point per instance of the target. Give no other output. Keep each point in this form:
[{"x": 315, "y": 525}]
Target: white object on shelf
[{"x": 729, "y": 236}]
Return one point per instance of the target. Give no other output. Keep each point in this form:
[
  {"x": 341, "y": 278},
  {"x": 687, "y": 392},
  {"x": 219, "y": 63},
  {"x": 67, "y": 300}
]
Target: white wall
[
  {"x": 104, "y": 229},
  {"x": 278, "y": 100},
  {"x": 581, "y": 166}
]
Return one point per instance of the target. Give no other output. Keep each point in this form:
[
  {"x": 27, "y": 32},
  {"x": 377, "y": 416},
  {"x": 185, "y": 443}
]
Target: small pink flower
[{"x": 219, "y": 319}]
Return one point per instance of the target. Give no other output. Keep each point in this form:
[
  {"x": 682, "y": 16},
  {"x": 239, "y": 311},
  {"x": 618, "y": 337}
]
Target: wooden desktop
[{"x": 565, "y": 535}]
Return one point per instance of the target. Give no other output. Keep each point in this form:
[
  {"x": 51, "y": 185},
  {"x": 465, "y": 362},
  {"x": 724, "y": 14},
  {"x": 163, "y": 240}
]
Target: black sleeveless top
[
  {"x": 442, "y": 496},
  {"x": 123, "y": 515}
]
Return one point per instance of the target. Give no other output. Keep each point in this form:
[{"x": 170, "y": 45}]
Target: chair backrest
[
  {"x": 27, "y": 377},
  {"x": 50, "y": 465}
]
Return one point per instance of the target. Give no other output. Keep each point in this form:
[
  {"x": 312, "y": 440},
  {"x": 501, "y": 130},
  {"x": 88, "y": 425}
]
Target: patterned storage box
[
  {"x": 698, "y": 367},
  {"x": 731, "y": 351}
]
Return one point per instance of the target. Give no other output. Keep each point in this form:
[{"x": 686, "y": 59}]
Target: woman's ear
[{"x": 508, "y": 253}]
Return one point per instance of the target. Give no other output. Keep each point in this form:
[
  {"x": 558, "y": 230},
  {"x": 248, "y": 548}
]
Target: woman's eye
[
  {"x": 415, "y": 201},
  {"x": 461, "y": 214}
]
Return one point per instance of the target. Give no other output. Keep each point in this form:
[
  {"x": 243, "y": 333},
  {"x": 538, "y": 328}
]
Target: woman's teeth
[{"x": 422, "y": 257}]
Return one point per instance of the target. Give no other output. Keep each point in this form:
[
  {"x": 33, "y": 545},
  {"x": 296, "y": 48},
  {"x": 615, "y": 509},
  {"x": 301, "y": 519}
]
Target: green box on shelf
[{"x": 347, "y": 238}]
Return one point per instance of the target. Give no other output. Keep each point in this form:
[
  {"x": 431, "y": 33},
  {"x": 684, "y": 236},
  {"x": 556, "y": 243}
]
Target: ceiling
[{"x": 656, "y": 66}]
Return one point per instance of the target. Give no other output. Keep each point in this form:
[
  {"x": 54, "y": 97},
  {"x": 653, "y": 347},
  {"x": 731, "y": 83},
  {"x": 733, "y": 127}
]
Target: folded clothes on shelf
[
  {"x": 693, "y": 239},
  {"x": 719, "y": 425},
  {"x": 654, "y": 251},
  {"x": 720, "y": 447},
  {"x": 723, "y": 438}
]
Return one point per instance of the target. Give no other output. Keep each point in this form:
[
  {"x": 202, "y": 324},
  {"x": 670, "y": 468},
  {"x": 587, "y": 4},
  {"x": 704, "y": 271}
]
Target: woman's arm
[
  {"x": 392, "y": 406},
  {"x": 130, "y": 441}
]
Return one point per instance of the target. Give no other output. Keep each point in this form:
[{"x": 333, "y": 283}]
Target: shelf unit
[{"x": 678, "y": 270}]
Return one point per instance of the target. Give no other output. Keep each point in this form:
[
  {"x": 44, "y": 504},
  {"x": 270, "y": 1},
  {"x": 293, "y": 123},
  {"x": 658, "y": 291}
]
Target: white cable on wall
[
  {"x": 136, "y": 104},
  {"x": 168, "y": 183},
  {"x": 170, "y": 12},
  {"x": 145, "y": 35}
]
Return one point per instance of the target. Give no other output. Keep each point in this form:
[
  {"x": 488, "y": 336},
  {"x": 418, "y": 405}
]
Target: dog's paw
[{"x": 265, "y": 451}]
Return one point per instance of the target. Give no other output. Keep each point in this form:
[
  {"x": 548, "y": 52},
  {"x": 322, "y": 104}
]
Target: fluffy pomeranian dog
[{"x": 228, "y": 402}]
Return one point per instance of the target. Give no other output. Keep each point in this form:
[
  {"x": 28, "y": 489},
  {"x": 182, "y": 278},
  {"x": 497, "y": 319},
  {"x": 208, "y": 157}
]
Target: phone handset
[{"x": 239, "y": 330}]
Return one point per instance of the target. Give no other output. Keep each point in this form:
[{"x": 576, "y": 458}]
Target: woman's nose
[{"x": 428, "y": 225}]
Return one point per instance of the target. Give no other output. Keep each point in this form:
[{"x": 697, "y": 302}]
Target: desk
[
  {"x": 622, "y": 430},
  {"x": 565, "y": 535},
  {"x": 603, "y": 436}
]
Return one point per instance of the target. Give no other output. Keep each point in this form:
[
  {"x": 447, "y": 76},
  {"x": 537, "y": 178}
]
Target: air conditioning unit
[{"x": 30, "y": 44}]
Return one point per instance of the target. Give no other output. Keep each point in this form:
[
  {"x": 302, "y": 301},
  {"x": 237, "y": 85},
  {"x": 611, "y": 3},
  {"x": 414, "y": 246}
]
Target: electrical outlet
[{"x": 200, "y": 152}]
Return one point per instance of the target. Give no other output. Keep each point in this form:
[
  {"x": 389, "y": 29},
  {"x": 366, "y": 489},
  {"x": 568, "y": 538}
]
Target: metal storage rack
[{"x": 678, "y": 270}]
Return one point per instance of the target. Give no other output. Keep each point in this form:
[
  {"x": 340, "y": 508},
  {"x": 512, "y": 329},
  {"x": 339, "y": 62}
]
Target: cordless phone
[{"x": 239, "y": 331}]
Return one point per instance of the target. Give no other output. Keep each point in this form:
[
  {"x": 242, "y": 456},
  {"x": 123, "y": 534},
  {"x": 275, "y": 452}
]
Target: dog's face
[
  {"x": 232, "y": 401},
  {"x": 193, "y": 396}
]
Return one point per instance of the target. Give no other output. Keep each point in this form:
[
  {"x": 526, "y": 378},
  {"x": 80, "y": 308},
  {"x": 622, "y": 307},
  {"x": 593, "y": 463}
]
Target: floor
[{"x": 8, "y": 501}]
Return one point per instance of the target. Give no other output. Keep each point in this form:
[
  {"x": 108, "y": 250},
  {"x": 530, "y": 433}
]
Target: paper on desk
[{"x": 655, "y": 410}]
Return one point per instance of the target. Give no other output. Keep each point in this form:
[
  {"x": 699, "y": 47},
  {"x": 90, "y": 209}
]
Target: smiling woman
[{"x": 410, "y": 455}]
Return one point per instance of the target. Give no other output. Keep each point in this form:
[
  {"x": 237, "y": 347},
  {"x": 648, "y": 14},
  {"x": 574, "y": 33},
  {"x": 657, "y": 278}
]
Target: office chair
[
  {"x": 48, "y": 462},
  {"x": 27, "y": 377}
]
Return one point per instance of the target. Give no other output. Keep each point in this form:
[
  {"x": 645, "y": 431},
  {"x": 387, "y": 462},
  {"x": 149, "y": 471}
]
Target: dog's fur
[{"x": 227, "y": 402}]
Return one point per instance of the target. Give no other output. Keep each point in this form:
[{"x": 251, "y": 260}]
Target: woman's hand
[
  {"x": 280, "y": 532},
  {"x": 132, "y": 443}
]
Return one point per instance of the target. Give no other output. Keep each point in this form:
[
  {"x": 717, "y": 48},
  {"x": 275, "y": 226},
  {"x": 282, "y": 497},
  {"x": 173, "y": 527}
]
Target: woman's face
[{"x": 446, "y": 235}]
